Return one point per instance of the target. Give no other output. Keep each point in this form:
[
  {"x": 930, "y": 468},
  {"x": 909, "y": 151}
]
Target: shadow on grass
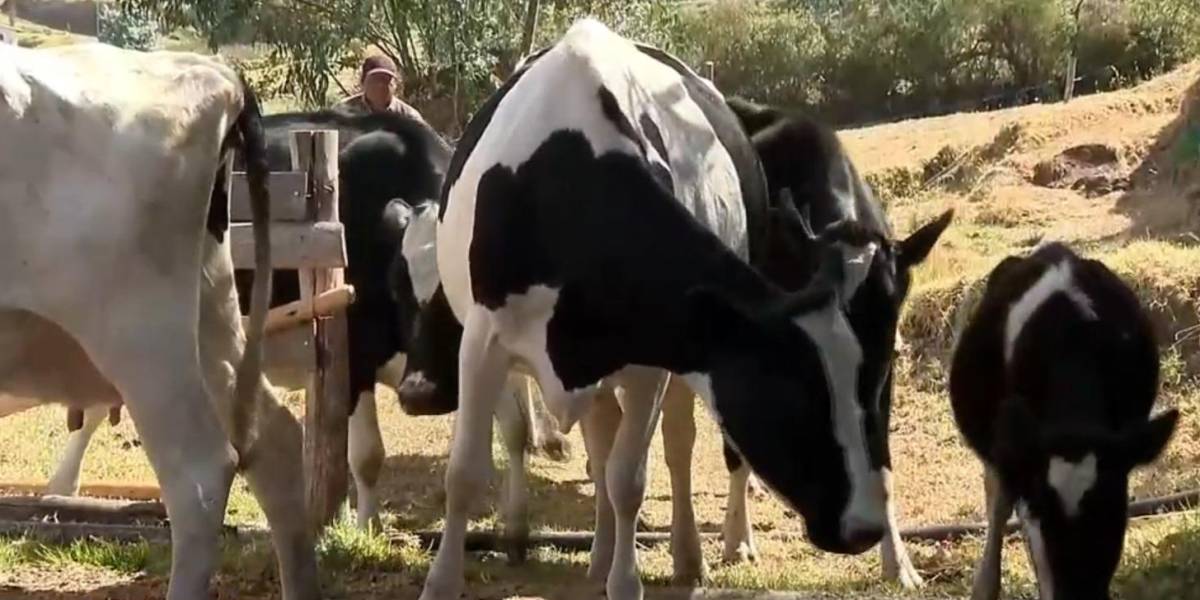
[
  {"x": 412, "y": 488},
  {"x": 1169, "y": 569}
]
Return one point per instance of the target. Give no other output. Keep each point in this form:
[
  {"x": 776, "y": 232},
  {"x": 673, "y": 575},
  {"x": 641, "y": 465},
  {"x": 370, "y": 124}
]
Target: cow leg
[
  {"x": 65, "y": 481},
  {"x": 896, "y": 562},
  {"x": 160, "y": 380},
  {"x": 599, "y": 431},
  {"x": 1000, "y": 507},
  {"x": 512, "y": 415},
  {"x": 483, "y": 364},
  {"x": 679, "y": 438},
  {"x": 365, "y": 452},
  {"x": 738, "y": 532},
  {"x": 625, "y": 474}
]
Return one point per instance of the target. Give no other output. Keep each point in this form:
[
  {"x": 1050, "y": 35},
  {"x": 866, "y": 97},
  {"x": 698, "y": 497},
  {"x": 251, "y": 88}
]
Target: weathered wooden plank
[
  {"x": 80, "y": 509},
  {"x": 327, "y": 403},
  {"x": 295, "y": 313},
  {"x": 289, "y": 193},
  {"x": 125, "y": 491},
  {"x": 293, "y": 245}
]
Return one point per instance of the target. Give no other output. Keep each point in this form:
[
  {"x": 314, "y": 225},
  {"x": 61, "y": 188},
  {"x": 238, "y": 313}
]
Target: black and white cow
[
  {"x": 388, "y": 163},
  {"x": 1052, "y": 385},
  {"x": 118, "y": 281},
  {"x": 808, "y": 171},
  {"x": 595, "y": 225}
]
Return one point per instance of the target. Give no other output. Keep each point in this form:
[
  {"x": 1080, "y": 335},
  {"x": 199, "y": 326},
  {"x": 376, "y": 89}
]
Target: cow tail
[{"x": 249, "y": 372}]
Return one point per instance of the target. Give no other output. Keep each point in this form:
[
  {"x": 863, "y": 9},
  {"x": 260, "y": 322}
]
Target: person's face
[{"x": 378, "y": 88}]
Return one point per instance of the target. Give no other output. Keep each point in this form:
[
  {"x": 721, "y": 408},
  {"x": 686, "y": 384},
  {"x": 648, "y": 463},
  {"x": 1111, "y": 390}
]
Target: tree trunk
[{"x": 531, "y": 15}]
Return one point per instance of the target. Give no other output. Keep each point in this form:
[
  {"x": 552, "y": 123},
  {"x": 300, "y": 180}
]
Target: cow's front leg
[
  {"x": 366, "y": 454},
  {"x": 65, "y": 481},
  {"x": 599, "y": 432},
  {"x": 483, "y": 364},
  {"x": 679, "y": 438},
  {"x": 897, "y": 565},
  {"x": 738, "y": 531},
  {"x": 625, "y": 474},
  {"x": 999, "y": 507}
]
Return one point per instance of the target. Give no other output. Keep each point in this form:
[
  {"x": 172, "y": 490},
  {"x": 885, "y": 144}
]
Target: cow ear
[
  {"x": 1145, "y": 441},
  {"x": 914, "y": 248}
]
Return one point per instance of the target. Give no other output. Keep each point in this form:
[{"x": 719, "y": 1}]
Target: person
[{"x": 378, "y": 79}]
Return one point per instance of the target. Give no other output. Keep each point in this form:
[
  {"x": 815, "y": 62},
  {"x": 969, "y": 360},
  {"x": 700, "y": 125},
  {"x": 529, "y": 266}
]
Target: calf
[
  {"x": 1052, "y": 384},
  {"x": 807, "y": 170},
  {"x": 388, "y": 163},
  {"x": 595, "y": 225},
  {"x": 118, "y": 281}
]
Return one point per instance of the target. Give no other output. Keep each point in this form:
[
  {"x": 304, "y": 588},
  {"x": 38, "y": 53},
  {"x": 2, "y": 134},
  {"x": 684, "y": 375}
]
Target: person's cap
[{"x": 378, "y": 64}]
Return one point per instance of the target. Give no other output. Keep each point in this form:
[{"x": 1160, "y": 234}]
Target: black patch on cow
[
  {"x": 612, "y": 112},
  {"x": 653, "y": 135}
]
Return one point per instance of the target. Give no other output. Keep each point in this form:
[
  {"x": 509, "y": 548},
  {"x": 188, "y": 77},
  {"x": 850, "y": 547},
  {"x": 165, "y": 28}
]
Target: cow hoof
[
  {"x": 906, "y": 575},
  {"x": 743, "y": 553},
  {"x": 692, "y": 577},
  {"x": 516, "y": 547},
  {"x": 557, "y": 447}
]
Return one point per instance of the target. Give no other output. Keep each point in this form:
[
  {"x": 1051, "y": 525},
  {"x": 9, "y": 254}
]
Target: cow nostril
[{"x": 420, "y": 397}]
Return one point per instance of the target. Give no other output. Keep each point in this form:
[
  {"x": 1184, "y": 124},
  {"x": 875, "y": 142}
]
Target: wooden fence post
[{"x": 327, "y": 404}]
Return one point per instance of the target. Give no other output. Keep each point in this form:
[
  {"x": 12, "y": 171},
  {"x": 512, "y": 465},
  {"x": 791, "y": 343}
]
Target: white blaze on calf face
[
  {"x": 841, "y": 358},
  {"x": 1072, "y": 481},
  {"x": 1056, "y": 279},
  {"x": 420, "y": 253}
]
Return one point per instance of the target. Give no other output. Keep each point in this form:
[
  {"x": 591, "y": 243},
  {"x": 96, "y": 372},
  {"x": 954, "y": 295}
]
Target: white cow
[{"x": 118, "y": 281}]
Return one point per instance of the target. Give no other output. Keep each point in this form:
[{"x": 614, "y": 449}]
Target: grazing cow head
[
  {"x": 1071, "y": 489},
  {"x": 808, "y": 170},
  {"x": 430, "y": 385},
  {"x": 783, "y": 381}
]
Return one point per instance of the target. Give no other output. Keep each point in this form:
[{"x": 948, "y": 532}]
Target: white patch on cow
[
  {"x": 420, "y": 253},
  {"x": 1072, "y": 481},
  {"x": 701, "y": 384},
  {"x": 841, "y": 358},
  {"x": 15, "y": 93},
  {"x": 1057, "y": 279},
  {"x": 1035, "y": 544},
  {"x": 391, "y": 373},
  {"x": 559, "y": 92}
]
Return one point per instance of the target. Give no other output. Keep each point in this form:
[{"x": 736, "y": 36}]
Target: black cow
[
  {"x": 1052, "y": 384},
  {"x": 596, "y": 224},
  {"x": 808, "y": 171}
]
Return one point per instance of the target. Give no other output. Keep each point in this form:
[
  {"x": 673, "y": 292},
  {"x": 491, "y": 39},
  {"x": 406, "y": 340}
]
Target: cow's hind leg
[
  {"x": 897, "y": 565},
  {"x": 679, "y": 438},
  {"x": 999, "y": 507},
  {"x": 65, "y": 481},
  {"x": 738, "y": 532},
  {"x": 483, "y": 364},
  {"x": 512, "y": 415},
  {"x": 366, "y": 453},
  {"x": 625, "y": 474},
  {"x": 154, "y": 366}
]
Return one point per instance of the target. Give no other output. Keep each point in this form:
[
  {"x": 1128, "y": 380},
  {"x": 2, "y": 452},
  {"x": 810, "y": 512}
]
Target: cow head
[
  {"x": 878, "y": 274},
  {"x": 430, "y": 383},
  {"x": 782, "y": 380},
  {"x": 1071, "y": 492}
]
